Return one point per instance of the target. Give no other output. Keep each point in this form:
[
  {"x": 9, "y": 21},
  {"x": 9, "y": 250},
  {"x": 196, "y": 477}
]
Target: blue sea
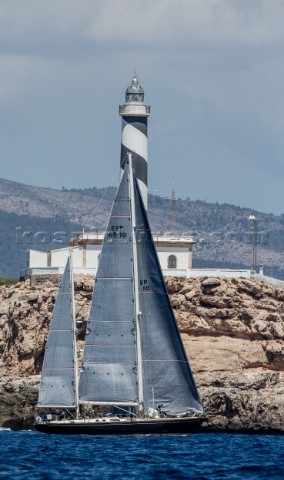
[{"x": 31, "y": 455}]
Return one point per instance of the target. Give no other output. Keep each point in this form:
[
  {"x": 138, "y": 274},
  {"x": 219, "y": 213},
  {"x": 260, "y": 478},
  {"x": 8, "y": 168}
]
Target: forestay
[
  {"x": 108, "y": 373},
  {"x": 57, "y": 387},
  {"x": 166, "y": 372}
]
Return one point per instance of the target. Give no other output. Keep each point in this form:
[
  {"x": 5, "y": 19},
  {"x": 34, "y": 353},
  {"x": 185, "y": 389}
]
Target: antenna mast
[{"x": 173, "y": 208}]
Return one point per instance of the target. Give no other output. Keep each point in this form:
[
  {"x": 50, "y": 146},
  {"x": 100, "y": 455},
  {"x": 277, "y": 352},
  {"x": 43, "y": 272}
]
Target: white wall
[
  {"x": 271, "y": 281},
  {"x": 92, "y": 253},
  {"x": 180, "y": 253},
  {"x": 219, "y": 273},
  {"x": 37, "y": 258},
  {"x": 59, "y": 257},
  {"x": 77, "y": 257}
]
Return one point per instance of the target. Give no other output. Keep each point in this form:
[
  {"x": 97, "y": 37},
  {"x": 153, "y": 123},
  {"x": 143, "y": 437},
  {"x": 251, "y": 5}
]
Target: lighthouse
[
  {"x": 134, "y": 137},
  {"x": 174, "y": 251}
]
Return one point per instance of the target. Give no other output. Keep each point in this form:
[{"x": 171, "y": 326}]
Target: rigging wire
[{"x": 102, "y": 197}]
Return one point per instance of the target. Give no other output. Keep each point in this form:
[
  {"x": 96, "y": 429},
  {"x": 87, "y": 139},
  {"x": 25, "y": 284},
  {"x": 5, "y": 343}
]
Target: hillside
[
  {"x": 223, "y": 232},
  {"x": 232, "y": 331}
]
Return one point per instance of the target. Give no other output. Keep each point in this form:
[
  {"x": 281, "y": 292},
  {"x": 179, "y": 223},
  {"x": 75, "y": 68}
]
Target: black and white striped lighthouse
[{"x": 134, "y": 138}]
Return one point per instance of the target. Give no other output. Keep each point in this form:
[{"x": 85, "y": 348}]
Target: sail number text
[
  {"x": 143, "y": 287},
  {"x": 117, "y": 232}
]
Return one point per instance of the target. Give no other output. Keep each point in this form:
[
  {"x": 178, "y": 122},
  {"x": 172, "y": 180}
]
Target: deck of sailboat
[{"x": 127, "y": 426}]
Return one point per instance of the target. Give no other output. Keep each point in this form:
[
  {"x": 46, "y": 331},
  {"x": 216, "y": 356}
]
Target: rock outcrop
[
  {"x": 232, "y": 329},
  {"x": 18, "y": 398}
]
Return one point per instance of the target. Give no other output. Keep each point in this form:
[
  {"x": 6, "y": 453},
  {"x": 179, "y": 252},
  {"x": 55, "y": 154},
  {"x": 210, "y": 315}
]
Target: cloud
[
  {"x": 161, "y": 23},
  {"x": 40, "y": 39},
  {"x": 176, "y": 22},
  {"x": 212, "y": 71}
]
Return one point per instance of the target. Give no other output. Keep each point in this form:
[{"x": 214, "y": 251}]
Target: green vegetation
[{"x": 8, "y": 281}]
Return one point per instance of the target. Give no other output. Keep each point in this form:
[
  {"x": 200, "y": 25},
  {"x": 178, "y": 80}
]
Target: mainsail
[
  {"x": 133, "y": 352},
  {"x": 58, "y": 380},
  {"x": 108, "y": 374}
]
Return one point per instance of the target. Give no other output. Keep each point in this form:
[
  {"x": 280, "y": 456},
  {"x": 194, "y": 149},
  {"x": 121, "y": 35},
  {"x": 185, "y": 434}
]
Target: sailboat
[{"x": 135, "y": 377}]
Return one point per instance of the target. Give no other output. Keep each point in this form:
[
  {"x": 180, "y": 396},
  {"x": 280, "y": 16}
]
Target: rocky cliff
[{"x": 232, "y": 330}]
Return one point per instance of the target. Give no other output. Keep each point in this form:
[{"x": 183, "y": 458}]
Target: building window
[{"x": 172, "y": 261}]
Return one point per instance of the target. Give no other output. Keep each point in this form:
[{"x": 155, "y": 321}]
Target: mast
[
  {"x": 138, "y": 313},
  {"x": 108, "y": 375},
  {"x": 74, "y": 338}
]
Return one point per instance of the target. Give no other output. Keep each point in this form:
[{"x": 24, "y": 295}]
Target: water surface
[{"x": 32, "y": 455}]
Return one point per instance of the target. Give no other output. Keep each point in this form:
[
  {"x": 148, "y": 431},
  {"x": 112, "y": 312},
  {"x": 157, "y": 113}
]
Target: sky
[{"x": 212, "y": 71}]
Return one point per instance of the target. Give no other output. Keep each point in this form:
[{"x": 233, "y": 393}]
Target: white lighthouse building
[
  {"x": 134, "y": 135},
  {"x": 174, "y": 251}
]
